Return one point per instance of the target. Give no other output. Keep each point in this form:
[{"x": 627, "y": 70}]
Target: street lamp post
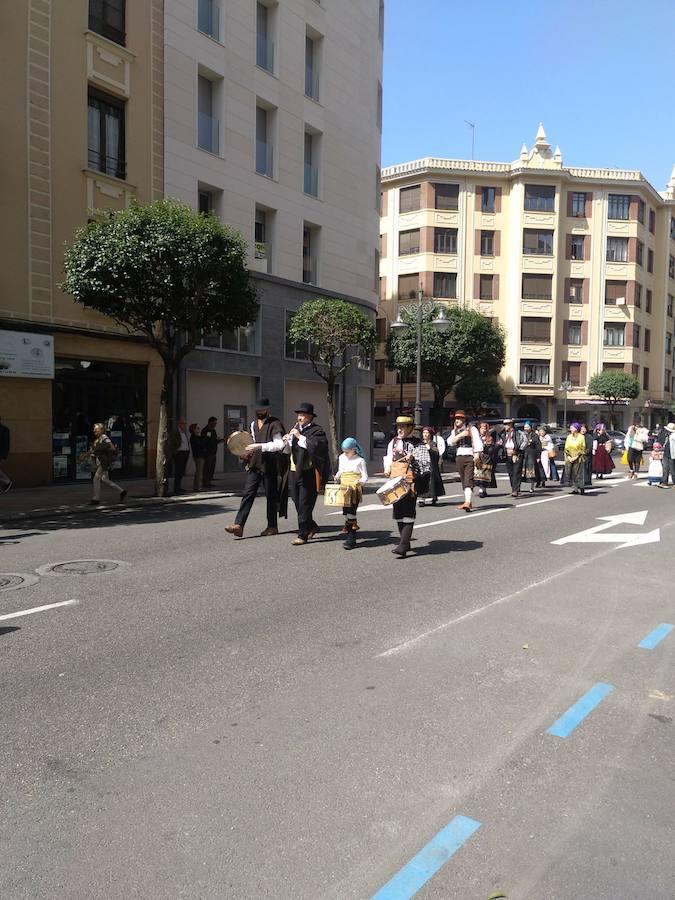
[
  {"x": 440, "y": 323},
  {"x": 565, "y": 386}
]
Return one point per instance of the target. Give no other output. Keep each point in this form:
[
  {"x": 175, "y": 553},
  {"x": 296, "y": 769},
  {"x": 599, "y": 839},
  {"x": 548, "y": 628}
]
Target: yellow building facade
[
  {"x": 83, "y": 96},
  {"x": 576, "y": 264}
]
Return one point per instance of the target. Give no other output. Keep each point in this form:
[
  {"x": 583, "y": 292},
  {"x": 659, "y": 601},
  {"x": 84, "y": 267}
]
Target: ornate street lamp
[{"x": 440, "y": 323}]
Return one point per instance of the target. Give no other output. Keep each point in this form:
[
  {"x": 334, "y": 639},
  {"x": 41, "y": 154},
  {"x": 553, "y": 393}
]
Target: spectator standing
[
  {"x": 210, "y": 441},
  {"x": 178, "y": 447},
  {"x": 5, "y": 480},
  {"x": 669, "y": 456},
  {"x": 197, "y": 447}
]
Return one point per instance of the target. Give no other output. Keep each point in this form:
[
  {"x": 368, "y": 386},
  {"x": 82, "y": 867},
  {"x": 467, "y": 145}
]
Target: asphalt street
[{"x": 221, "y": 718}]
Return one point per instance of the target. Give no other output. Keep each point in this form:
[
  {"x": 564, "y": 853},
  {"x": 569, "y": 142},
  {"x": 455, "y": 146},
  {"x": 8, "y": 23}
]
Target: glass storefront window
[{"x": 89, "y": 391}]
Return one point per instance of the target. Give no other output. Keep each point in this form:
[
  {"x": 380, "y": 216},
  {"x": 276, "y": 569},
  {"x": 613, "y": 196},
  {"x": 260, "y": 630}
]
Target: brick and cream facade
[{"x": 576, "y": 264}]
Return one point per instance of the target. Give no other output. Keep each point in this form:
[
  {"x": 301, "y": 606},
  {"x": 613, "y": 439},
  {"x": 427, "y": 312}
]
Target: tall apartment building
[
  {"x": 273, "y": 122},
  {"x": 81, "y": 108},
  {"x": 576, "y": 264}
]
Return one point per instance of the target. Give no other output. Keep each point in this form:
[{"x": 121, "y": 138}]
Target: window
[
  {"x": 648, "y": 340},
  {"x": 486, "y": 287},
  {"x": 208, "y": 18},
  {"x": 618, "y": 206},
  {"x": 638, "y": 296},
  {"x": 383, "y": 288},
  {"x": 672, "y": 228},
  {"x": 671, "y": 266},
  {"x": 641, "y": 211},
  {"x": 666, "y": 380},
  {"x": 645, "y": 379},
  {"x": 576, "y": 292},
  {"x": 571, "y": 371},
  {"x": 615, "y": 290},
  {"x": 205, "y": 202},
  {"x": 446, "y": 196},
  {"x": 311, "y": 68},
  {"x": 487, "y": 243},
  {"x": 614, "y": 335},
  {"x": 648, "y": 304},
  {"x": 652, "y": 221},
  {"x": 534, "y": 372},
  {"x": 311, "y": 178},
  {"x": 537, "y": 243},
  {"x": 578, "y": 204},
  {"x": 105, "y": 125},
  {"x": 408, "y": 286},
  {"x": 537, "y": 287},
  {"x": 379, "y": 371},
  {"x": 383, "y": 246},
  {"x": 445, "y": 240},
  {"x": 650, "y": 260},
  {"x": 381, "y": 328},
  {"x": 669, "y": 306},
  {"x": 301, "y": 350},
  {"x": 576, "y": 246},
  {"x": 669, "y": 342},
  {"x": 241, "y": 340},
  {"x": 639, "y": 252},
  {"x": 617, "y": 249},
  {"x": 409, "y": 198},
  {"x": 264, "y": 150},
  {"x": 533, "y": 328},
  {"x": 636, "y": 336},
  {"x": 445, "y": 285},
  {"x": 487, "y": 199},
  {"x": 574, "y": 333},
  {"x": 262, "y": 236},
  {"x": 208, "y": 127},
  {"x": 310, "y": 241},
  {"x": 540, "y": 198},
  {"x": 409, "y": 242},
  {"x": 106, "y": 17},
  {"x": 264, "y": 46}
]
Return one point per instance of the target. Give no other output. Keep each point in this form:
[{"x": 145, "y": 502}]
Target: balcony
[
  {"x": 208, "y": 18},
  {"x": 540, "y": 204},
  {"x": 262, "y": 253},
  {"x": 311, "y": 184},
  {"x": 264, "y": 158},
  {"x": 109, "y": 165},
  {"x": 264, "y": 53},
  {"x": 208, "y": 133}
]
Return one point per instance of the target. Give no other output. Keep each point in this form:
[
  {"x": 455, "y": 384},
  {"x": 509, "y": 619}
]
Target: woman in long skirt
[
  {"x": 602, "y": 453},
  {"x": 531, "y": 468},
  {"x": 575, "y": 449},
  {"x": 547, "y": 446},
  {"x": 432, "y": 485},
  {"x": 484, "y": 468},
  {"x": 588, "y": 456}
]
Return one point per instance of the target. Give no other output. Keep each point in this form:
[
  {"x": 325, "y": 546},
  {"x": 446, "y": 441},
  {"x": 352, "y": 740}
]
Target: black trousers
[
  {"x": 209, "y": 469},
  {"x": 180, "y": 461},
  {"x": 254, "y": 478},
  {"x": 514, "y": 469},
  {"x": 304, "y": 494},
  {"x": 405, "y": 509},
  {"x": 668, "y": 469}
]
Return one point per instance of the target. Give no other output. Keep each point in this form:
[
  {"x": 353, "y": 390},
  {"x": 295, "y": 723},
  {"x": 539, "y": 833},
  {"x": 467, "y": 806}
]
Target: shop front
[{"x": 88, "y": 391}]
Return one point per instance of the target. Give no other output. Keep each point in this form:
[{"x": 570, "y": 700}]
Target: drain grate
[
  {"x": 83, "y": 567},
  {"x": 10, "y": 581}
]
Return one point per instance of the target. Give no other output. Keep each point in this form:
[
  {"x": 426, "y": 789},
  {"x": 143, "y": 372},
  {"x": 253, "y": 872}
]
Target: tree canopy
[
  {"x": 613, "y": 386},
  {"x": 475, "y": 391}
]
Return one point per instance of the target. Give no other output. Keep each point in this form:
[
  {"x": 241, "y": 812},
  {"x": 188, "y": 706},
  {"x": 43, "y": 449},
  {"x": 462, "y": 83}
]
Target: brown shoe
[
  {"x": 268, "y": 531},
  {"x": 298, "y": 542},
  {"x": 313, "y": 532},
  {"x": 236, "y": 530},
  {"x": 466, "y": 507}
]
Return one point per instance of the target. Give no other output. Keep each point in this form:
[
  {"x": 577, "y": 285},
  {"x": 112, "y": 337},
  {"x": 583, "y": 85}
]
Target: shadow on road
[
  {"x": 8, "y": 629},
  {"x": 434, "y": 548},
  {"x": 105, "y": 517}
]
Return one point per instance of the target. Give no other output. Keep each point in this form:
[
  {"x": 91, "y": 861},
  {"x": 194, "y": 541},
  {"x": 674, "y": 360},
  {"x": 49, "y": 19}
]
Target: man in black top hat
[
  {"x": 310, "y": 468},
  {"x": 265, "y": 464}
]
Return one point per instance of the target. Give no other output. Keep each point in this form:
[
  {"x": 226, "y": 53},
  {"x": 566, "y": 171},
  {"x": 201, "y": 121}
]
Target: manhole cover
[
  {"x": 10, "y": 581},
  {"x": 83, "y": 567}
]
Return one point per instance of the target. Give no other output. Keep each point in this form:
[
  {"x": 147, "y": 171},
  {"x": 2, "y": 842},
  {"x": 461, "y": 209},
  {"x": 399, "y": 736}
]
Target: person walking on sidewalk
[
  {"x": 265, "y": 465},
  {"x": 351, "y": 471},
  {"x": 178, "y": 447},
  {"x": 5, "y": 480},
  {"x": 102, "y": 454},
  {"x": 210, "y": 442},
  {"x": 467, "y": 441}
]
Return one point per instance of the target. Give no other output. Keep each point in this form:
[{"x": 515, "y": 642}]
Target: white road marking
[
  {"x": 37, "y": 609},
  {"x": 465, "y": 518},
  {"x": 627, "y": 539}
]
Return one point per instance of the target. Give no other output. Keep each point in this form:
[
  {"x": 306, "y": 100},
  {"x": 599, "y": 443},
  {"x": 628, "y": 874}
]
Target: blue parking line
[
  {"x": 656, "y": 636},
  {"x": 566, "y": 724},
  {"x": 429, "y": 860}
]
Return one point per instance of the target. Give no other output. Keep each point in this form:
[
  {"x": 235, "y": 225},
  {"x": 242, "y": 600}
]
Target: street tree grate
[
  {"x": 83, "y": 567},
  {"x": 11, "y": 581}
]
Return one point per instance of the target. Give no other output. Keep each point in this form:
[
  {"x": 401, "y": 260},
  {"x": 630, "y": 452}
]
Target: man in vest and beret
[{"x": 267, "y": 466}]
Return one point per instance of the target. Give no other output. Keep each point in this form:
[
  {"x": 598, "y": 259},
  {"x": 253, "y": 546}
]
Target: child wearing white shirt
[{"x": 351, "y": 470}]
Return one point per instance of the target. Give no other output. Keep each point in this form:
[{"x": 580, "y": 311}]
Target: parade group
[{"x": 296, "y": 463}]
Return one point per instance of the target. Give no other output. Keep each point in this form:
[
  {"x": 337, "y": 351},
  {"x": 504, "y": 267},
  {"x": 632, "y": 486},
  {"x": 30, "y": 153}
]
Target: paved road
[{"x": 247, "y": 719}]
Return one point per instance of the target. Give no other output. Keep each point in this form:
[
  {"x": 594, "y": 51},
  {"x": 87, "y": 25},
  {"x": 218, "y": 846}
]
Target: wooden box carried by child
[{"x": 337, "y": 494}]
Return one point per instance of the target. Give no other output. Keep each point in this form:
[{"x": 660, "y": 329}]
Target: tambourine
[{"x": 237, "y": 443}]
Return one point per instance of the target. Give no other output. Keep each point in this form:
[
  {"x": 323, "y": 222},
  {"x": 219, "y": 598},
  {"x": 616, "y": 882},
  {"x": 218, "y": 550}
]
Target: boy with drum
[{"x": 400, "y": 460}]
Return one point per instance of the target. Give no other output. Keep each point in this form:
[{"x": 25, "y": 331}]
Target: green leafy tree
[
  {"x": 167, "y": 273},
  {"x": 476, "y": 391},
  {"x": 613, "y": 386},
  {"x": 471, "y": 346},
  {"x": 336, "y": 333}
]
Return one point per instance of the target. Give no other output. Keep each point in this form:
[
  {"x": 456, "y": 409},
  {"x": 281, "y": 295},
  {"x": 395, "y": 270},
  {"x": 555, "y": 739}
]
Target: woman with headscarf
[
  {"x": 351, "y": 471},
  {"x": 431, "y": 485},
  {"x": 575, "y": 448},
  {"x": 588, "y": 455},
  {"x": 602, "y": 451},
  {"x": 531, "y": 466},
  {"x": 547, "y": 448},
  {"x": 486, "y": 463}
]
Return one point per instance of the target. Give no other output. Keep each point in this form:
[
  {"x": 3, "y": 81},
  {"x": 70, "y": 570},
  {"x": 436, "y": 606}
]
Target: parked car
[
  {"x": 617, "y": 438},
  {"x": 379, "y": 437}
]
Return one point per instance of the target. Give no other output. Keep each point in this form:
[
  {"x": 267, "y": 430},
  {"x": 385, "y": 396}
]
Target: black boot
[
  {"x": 397, "y": 548},
  {"x": 406, "y": 530},
  {"x": 350, "y": 540}
]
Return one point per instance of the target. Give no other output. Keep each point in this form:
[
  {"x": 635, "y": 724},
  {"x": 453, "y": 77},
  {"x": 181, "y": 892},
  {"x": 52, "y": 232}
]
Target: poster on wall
[
  {"x": 116, "y": 438},
  {"x": 60, "y": 466},
  {"x": 26, "y": 355}
]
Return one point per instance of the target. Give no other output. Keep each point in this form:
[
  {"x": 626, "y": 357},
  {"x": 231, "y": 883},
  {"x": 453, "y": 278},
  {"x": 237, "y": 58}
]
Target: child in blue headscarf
[{"x": 352, "y": 471}]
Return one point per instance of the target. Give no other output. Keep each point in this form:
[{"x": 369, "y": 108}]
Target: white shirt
[
  {"x": 671, "y": 442},
  {"x": 352, "y": 464},
  {"x": 184, "y": 441},
  {"x": 476, "y": 442},
  {"x": 274, "y": 446}
]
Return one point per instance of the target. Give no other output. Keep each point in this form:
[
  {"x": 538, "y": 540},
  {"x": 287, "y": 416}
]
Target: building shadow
[
  {"x": 109, "y": 516},
  {"x": 8, "y": 629}
]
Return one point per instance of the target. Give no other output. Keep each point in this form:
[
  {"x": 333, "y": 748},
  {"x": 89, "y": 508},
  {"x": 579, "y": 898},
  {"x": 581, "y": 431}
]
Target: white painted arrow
[{"x": 595, "y": 534}]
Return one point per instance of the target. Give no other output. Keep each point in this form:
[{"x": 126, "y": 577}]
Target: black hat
[
  {"x": 262, "y": 403},
  {"x": 307, "y": 408}
]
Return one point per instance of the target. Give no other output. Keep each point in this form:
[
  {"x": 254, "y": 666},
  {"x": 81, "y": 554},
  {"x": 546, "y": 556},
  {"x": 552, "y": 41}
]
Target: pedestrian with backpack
[{"x": 102, "y": 454}]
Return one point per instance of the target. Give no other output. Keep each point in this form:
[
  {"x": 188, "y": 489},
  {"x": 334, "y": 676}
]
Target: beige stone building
[
  {"x": 81, "y": 108},
  {"x": 576, "y": 264}
]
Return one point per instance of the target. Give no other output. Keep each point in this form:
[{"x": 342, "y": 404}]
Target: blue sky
[{"x": 600, "y": 76}]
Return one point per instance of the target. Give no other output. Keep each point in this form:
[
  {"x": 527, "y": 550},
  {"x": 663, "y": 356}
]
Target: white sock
[{"x": 467, "y": 495}]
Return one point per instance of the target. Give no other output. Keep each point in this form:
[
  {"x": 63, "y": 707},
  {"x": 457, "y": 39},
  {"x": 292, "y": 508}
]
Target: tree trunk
[
  {"x": 332, "y": 426},
  {"x": 611, "y": 415},
  {"x": 165, "y": 419}
]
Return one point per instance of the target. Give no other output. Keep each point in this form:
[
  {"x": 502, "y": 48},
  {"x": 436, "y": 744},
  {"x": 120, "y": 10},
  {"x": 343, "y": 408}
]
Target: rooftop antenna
[{"x": 473, "y": 136}]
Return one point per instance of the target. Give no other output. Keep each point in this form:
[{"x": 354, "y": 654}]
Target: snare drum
[
  {"x": 337, "y": 494},
  {"x": 393, "y": 490}
]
